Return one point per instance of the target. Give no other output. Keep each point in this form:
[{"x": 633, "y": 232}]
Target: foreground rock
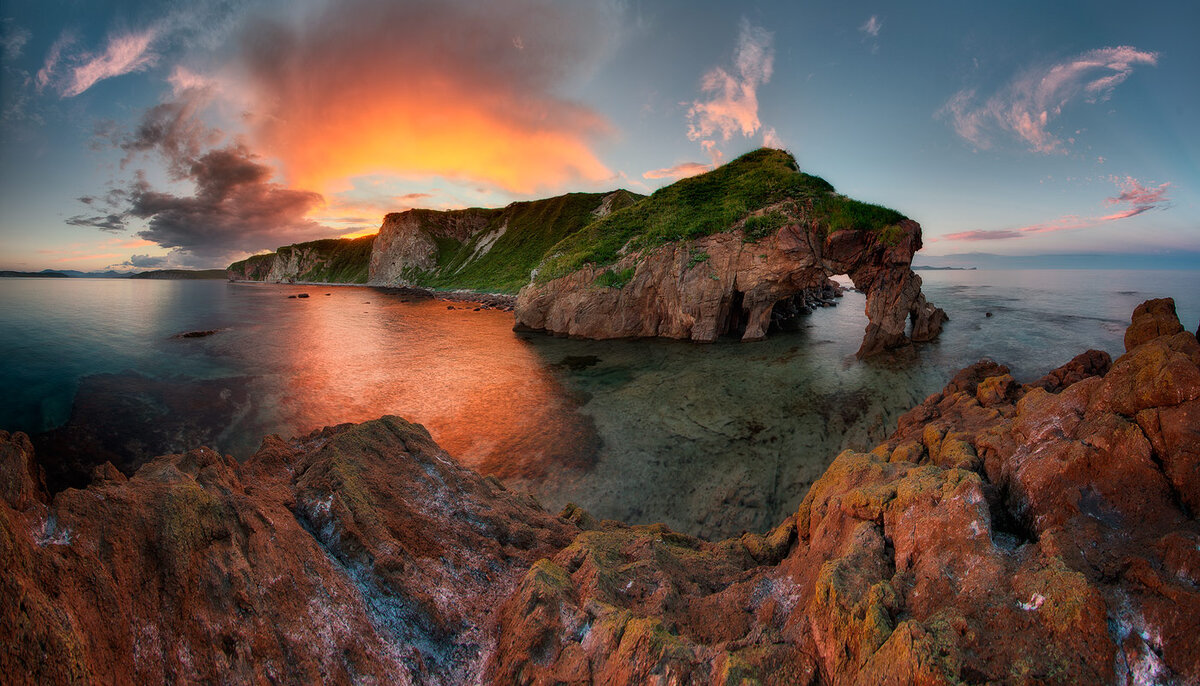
[
  {"x": 1006, "y": 533},
  {"x": 358, "y": 553}
]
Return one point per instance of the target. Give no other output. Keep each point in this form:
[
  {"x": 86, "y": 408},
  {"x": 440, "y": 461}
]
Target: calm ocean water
[{"x": 711, "y": 439}]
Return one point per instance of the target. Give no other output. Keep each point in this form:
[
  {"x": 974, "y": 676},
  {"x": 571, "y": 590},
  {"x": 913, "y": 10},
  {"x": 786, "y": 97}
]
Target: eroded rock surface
[
  {"x": 738, "y": 285},
  {"x": 360, "y": 553},
  {"x": 1005, "y": 533}
]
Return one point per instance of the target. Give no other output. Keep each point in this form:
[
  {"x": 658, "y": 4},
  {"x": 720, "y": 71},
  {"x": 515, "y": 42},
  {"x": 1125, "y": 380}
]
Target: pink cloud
[
  {"x": 679, "y": 171},
  {"x": 43, "y": 76},
  {"x": 771, "y": 139},
  {"x": 872, "y": 26},
  {"x": 730, "y": 102},
  {"x": 1028, "y": 105},
  {"x": 1142, "y": 198},
  {"x": 124, "y": 54}
]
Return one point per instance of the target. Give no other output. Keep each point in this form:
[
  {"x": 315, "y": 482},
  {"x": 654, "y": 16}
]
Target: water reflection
[
  {"x": 710, "y": 439},
  {"x": 487, "y": 398}
]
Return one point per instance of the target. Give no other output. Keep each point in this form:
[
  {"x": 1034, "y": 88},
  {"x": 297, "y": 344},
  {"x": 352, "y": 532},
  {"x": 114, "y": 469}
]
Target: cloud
[
  {"x": 173, "y": 129},
  {"x": 872, "y": 26},
  {"x": 679, "y": 171},
  {"x": 46, "y": 73},
  {"x": 730, "y": 101},
  {"x": 125, "y": 53},
  {"x": 113, "y": 223},
  {"x": 1139, "y": 197},
  {"x": 771, "y": 139},
  {"x": 1028, "y": 105},
  {"x": 235, "y": 208},
  {"x": 147, "y": 261},
  {"x": 13, "y": 39},
  {"x": 428, "y": 88}
]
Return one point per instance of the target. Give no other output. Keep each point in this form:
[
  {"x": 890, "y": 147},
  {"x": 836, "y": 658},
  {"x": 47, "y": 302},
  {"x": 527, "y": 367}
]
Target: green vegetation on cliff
[
  {"x": 496, "y": 250},
  {"x": 345, "y": 260},
  {"x": 500, "y": 257},
  {"x": 710, "y": 203},
  {"x": 330, "y": 260}
]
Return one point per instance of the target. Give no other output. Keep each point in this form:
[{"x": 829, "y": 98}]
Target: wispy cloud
[
  {"x": 1138, "y": 197},
  {"x": 679, "y": 171},
  {"x": 872, "y": 26},
  {"x": 730, "y": 97},
  {"x": 12, "y": 40},
  {"x": 46, "y": 73},
  {"x": 124, "y": 54},
  {"x": 771, "y": 139},
  {"x": 1027, "y": 106}
]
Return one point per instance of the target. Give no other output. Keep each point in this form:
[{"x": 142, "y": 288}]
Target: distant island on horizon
[{"x": 159, "y": 274}]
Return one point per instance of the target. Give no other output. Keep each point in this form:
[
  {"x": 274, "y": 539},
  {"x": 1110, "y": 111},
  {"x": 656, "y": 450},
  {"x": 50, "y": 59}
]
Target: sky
[{"x": 138, "y": 134}]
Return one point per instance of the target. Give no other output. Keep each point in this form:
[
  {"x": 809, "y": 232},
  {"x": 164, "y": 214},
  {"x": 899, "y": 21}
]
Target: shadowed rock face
[
  {"x": 407, "y": 241},
  {"x": 736, "y": 288},
  {"x": 1005, "y": 533}
]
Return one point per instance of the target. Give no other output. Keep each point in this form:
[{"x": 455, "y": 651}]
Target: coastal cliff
[
  {"x": 486, "y": 250},
  {"x": 1040, "y": 532},
  {"x": 728, "y": 253},
  {"x": 331, "y": 260},
  {"x": 733, "y": 251}
]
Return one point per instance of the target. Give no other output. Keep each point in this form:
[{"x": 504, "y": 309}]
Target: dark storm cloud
[
  {"x": 113, "y": 223},
  {"x": 235, "y": 208}
]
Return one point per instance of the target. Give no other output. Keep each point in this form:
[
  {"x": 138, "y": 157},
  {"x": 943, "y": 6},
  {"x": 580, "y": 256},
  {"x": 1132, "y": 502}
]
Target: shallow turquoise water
[{"x": 711, "y": 439}]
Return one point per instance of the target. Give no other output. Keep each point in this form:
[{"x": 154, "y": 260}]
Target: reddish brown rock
[
  {"x": 1003, "y": 534},
  {"x": 360, "y": 553},
  {"x": 1150, "y": 320},
  {"x": 1090, "y": 363},
  {"x": 738, "y": 287}
]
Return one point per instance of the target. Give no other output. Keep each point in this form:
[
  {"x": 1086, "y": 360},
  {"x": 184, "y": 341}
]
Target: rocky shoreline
[{"x": 1040, "y": 532}]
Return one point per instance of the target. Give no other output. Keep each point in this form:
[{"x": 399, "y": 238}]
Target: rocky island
[
  {"x": 733, "y": 251},
  {"x": 1006, "y": 532}
]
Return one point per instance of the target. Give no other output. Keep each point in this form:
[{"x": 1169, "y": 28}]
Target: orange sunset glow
[{"x": 402, "y": 136}]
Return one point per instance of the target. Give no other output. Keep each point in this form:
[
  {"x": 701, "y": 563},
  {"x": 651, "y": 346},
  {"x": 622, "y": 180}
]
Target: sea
[{"x": 711, "y": 439}]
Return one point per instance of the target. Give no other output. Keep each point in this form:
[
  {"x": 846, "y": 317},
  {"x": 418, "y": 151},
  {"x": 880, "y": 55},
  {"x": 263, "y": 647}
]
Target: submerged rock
[
  {"x": 1005, "y": 533},
  {"x": 197, "y": 334}
]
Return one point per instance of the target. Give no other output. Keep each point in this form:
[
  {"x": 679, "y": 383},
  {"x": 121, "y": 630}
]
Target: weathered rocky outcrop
[
  {"x": 332, "y": 260},
  {"x": 738, "y": 284},
  {"x": 1005, "y": 533},
  {"x": 357, "y": 554}
]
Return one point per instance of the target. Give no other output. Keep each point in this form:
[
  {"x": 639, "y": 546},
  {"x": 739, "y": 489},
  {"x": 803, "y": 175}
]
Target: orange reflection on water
[{"x": 482, "y": 392}]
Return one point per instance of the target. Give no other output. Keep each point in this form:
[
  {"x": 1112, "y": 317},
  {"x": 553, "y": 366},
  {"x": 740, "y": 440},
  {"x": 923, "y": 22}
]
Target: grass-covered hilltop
[
  {"x": 757, "y": 193},
  {"x": 500, "y": 250},
  {"x": 737, "y": 251}
]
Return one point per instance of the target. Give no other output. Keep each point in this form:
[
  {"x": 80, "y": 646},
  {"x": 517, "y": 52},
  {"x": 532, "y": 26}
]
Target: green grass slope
[
  {"x": 714, "y": 202},
  {"x": 530, "y": 230},
  {"x": 343, "y": 260}
]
